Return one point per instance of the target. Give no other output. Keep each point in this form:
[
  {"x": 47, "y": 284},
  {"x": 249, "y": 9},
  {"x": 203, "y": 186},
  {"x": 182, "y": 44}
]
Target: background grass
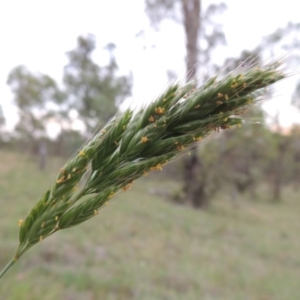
[{"x": 143, "y": 247}]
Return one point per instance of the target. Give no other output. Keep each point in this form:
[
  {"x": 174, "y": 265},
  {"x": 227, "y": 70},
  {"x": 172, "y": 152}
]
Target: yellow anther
[
  {"x": 96, "y": 212},
  {"x": 41, "y": 238},
  {"x": 61, "y": 179},
  {"x": 56, "y": 218},
  {"x": 111, "y": 195},
  {"x": 43, "y": 224},
  {"x": 69, "y": 176},
  {"x": 197, "y": 106},
  {"x": 151, "y": 119},
  {"x": 103, "y": 131},
  {"x": 74, "y": 170},
  {"x": 156, "y": 168},
  {"x": 81, "y": 153},
  {"x": 20, "y": 222},
  {"x": 127, "y": 186},
  {"x": 180, "y": 147},
  {"x": 159, "y": 110},
  {"x": 226, "y": 97},
  {"x": 144, "y": 139},
  {"x": 220, "y": 95}
]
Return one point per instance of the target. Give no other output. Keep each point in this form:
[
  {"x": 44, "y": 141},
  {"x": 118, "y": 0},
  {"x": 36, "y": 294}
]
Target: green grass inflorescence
[{"x": 136, "y": 142}]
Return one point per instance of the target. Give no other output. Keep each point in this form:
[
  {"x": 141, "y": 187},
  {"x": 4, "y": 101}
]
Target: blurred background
[{"x": 221, "y": 223}]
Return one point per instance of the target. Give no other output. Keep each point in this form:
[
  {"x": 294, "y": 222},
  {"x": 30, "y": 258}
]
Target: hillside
[{"x": 143, "y": 247}]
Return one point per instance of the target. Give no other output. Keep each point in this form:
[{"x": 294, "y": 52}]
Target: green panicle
[
  {"x": 86, "y": 209},
  {"x": 112, "y": 139},
  {"x": 39, "y": 209},
  {"x": 162, "y": 102},
  {"x": 134, "y": 143}
]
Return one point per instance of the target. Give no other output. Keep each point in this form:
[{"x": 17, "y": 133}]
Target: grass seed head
[{"x": 134, "y": 143}]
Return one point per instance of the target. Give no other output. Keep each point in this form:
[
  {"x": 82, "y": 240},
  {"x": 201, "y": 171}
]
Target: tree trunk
[
  {"x": 191, "y": 15},
  {"x": 277, "y": 175},
  {"x": 194, "y": 192},
  {"x": 194, "y": 182},
  {"x": 43, "y": 154}
]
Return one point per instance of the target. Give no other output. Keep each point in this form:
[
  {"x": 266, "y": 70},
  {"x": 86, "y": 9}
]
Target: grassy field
[{"x": 142, "y": 247}]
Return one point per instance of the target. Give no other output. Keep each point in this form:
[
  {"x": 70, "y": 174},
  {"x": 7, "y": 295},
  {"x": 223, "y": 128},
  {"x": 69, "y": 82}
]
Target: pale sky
[{"x": 37, "y": 34}]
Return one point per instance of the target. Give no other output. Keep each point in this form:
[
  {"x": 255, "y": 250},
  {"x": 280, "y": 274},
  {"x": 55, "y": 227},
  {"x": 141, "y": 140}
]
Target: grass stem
[{"x": 7, "y": 267}]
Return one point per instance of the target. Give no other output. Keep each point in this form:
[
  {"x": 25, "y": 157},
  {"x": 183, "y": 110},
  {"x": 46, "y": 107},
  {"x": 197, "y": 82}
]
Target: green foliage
[
  {"x": 161, "y": 9},
  {"x": 278, "y": 36},
  {"x": 286, "y": 38},
  {"x": 132, "y": 144},
  {"x": 90, "y": 90},
  {"x": 32, "y": 95},
  {"x": 93, "y": 91}
]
